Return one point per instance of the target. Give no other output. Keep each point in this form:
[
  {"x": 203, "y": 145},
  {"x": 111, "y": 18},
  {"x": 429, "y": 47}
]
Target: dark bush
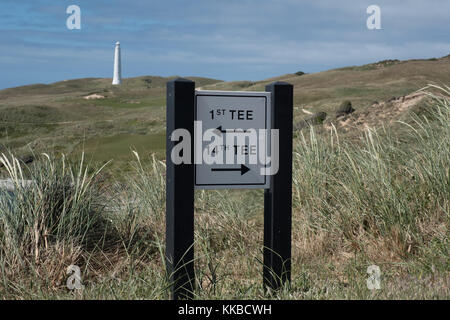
[{"x": 344, "y": 108}]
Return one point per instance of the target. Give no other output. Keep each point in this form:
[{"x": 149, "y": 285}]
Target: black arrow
[
  {"x": 219, "y": 129},
  {"x": 243, "y": 169}
]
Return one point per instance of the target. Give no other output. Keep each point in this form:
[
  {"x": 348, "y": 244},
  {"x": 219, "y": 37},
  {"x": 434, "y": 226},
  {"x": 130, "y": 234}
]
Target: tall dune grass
[
  {"x": 387, "y": 194},
  {"x": 60, "y": 208},
  {"x": 383, "y": 200}
]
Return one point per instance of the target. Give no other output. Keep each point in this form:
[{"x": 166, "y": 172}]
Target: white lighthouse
[{"x": 117, "y": 66}]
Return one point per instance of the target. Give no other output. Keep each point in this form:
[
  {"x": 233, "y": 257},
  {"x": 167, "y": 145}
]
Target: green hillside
[
  {"x": 367, "y": 190},
  {"x": 324, "y": 91},
  {"x": 59, "y": 117}
]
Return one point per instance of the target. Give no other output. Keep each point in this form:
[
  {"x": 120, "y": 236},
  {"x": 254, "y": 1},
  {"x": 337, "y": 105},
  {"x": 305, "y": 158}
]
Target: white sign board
[{"x": 235, "y": 139}]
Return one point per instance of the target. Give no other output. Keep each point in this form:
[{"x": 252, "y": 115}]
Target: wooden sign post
[
  {"x": 228, "y": 114},
  {"x": 278, "y": 198},
  {"x": 180, "y": 193}
]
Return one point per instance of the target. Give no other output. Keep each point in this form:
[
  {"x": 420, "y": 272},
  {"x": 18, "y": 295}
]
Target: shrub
[{"x": 344, "y": 108}]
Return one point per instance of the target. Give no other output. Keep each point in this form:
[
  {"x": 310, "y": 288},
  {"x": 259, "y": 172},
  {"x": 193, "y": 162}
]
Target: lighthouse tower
[{"x": 117, "y": 66}]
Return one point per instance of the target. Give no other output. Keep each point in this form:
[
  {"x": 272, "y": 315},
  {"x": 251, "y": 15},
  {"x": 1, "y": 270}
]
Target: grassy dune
[
  {"x": 381, "y": 198},
  {"x": 324, "y": 91},
  {"x": 57, "y": 118},
  {"x": 370, "y": 188}
]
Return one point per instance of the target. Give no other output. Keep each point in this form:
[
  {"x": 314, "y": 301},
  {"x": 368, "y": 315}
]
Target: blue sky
[{"x": 228, "y": 40}]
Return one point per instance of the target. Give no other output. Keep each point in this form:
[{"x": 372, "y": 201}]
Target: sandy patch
[
  {"x": 94, "y": 96},
  {"x": 379, "y": 112}
]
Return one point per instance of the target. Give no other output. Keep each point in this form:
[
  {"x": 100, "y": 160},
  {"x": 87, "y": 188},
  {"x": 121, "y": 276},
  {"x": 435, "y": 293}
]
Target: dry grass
[{"x": 382, "y": 199}]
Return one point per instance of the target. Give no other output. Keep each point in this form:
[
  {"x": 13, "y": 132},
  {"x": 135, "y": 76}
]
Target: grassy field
[
  {"x": 57, "y": 118},
  {"x": 369, "y": 193}
]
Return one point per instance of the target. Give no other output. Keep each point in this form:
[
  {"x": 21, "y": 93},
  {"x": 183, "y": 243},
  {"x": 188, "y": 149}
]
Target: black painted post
[
  {"x": 180, "y": 193},
  {"x": 278, "y": 199}
]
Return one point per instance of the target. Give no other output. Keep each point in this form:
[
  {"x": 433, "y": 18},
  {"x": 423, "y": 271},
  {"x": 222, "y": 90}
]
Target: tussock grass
[
  {"x": 383, "y": 197},
  {"x": 382, "y": 200}
]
